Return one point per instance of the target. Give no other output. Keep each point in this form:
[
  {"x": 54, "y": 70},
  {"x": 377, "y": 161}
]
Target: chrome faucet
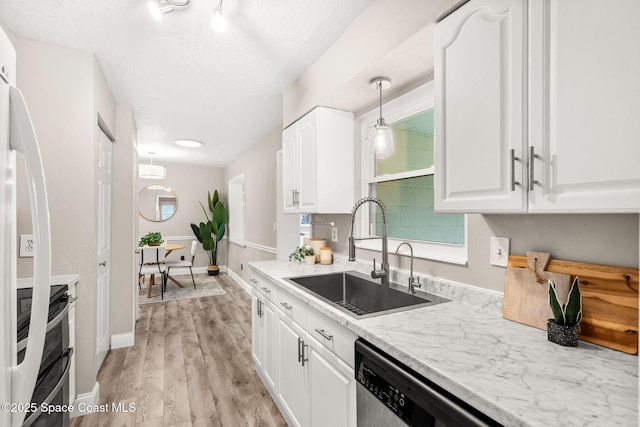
[
  {"x": 383, "y": 273},
  {"x": 413, "y": 283}
]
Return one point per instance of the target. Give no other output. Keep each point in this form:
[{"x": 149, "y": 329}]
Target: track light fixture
[
  {"x": 219, "y": 22},
  {"x": 162, "y": 7}
]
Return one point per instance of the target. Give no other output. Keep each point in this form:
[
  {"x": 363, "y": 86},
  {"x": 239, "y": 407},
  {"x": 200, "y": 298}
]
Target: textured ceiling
[{"x": 183, "y": 79}]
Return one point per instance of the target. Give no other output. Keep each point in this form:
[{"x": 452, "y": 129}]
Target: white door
[
  {"x": 480, "y": 90},
  {"x": 585, "y": 125},
  {"x": 105, "y": 168},
  {"x": 290, "y": 168},
  {"x": 292, "y": 376}
]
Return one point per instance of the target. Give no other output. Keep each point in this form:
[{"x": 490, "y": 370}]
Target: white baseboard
[
  {"x": 122, "y": 340},
  {"x": 86, "y": 403},
  {"x": 244, "y": 285},
  {"x": 196, "y": 270}
]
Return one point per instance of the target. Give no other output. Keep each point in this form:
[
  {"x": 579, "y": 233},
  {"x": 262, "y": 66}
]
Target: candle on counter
[{"x": 326, "y": 255}]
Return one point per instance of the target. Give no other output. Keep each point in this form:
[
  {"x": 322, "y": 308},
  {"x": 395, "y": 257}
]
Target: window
[{"x": 404, "y": 182}]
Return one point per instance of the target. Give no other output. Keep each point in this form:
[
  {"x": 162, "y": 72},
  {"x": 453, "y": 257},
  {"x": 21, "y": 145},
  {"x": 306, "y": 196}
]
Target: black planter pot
[{"x": 562, "y": 334}]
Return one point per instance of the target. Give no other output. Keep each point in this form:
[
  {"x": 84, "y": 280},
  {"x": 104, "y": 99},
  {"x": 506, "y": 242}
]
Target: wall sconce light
[
  {"x": 382, "y": 137},
  {"x": 151, "y": 171}
]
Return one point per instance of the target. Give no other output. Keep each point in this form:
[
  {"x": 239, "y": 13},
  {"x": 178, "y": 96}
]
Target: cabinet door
[
  {"x": 584, "y": 112},
  {"x": 72, "y": 344},
  {"x": 269, "y": 344},
  {"x": 290, "y": 168},
  {"x": 257, "y": 345},
  {"x": 292, "y": 376},
  {"x": 480, "y": 87},
  {"x": 308, "y": 157},
  {"x": 333, "y": 390}
]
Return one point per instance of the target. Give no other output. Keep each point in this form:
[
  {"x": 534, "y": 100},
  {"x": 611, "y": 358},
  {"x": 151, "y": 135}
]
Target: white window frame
[{"x": 416, "y": 101}]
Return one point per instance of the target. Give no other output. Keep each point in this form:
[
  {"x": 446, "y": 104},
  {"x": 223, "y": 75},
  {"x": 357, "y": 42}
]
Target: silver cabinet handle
[
  {"x": 253, "y": 280},
  {"x": 324, "y": 334},
  {"x": 532, "y": 157},
  {"x": 285, "y": 305},
  {"x": 103, "y": 263},
  {"x": 301, "y": 347},
  {"x": 267, "y": 290},
  {"x": 259, "y": 307},
  {"x": 513, "y": 170}
]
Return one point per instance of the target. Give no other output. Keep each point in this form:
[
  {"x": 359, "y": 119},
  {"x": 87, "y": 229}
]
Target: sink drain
[{"x": 352, "y": 308}]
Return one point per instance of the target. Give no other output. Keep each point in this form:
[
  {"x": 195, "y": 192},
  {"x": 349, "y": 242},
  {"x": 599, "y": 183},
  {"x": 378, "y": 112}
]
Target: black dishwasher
[{"x": 390, "y": 393}]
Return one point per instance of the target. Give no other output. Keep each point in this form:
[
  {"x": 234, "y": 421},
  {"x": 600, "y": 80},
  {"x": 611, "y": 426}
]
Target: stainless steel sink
[{"x": 359, "y": 296}]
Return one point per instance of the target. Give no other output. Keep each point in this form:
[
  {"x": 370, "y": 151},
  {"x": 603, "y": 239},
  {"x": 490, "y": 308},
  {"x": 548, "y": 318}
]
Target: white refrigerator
[{"x": 17, "y": 135}]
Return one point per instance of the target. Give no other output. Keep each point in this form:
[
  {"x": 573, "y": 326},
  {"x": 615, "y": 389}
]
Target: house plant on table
[
  {"x": 563, "y": 328},
  {"x": 211, "y": 232},
  {"x": 153, "y": 238},
  {"x": 303, "y": 252}
]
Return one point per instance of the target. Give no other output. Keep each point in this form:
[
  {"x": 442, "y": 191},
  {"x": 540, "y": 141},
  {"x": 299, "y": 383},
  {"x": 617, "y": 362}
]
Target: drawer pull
[
  {"x": 324, "y": 334},
  {"x": 267, "y": 290},
  {"x": 253, "y": 280},
  {"x": 285, "y": 305}
]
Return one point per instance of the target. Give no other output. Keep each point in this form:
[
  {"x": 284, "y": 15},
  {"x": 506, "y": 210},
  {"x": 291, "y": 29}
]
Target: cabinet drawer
[
  {"x": 264, "y": 287},
  {"x": 293, "y": 308},
  {"x": 332, "y": 335}
]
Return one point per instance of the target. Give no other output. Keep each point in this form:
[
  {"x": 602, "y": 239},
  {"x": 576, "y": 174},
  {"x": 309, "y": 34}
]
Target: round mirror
[{"x": 157, "y": 203}]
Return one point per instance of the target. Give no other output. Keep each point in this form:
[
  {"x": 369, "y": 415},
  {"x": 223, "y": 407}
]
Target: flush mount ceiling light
[
  {"x": 189, "y": 143},
  {"x": 219, "y": 22},
  {"x": 383, "y": 144},
  {"x": 162, "y": 7},
  {"x": 151, "y": 171}
]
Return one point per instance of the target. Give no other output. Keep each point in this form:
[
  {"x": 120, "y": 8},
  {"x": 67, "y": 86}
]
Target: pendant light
[
  {"x": 219, "y": 22},
  {"x": 151, "y": 171},
  {"x": 382, "y": 137}
]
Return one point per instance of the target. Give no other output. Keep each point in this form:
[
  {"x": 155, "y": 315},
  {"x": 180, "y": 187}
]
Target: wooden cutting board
[
  {"x": 526, "y": 296},
  {"x": 609, "y": 299}
]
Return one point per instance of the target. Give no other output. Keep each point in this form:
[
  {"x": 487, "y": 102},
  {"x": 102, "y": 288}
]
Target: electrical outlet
[
  {"x": 499, "y": 255},
  {"x": 27, "y": 246},
  {"x": 334, "y": 234}
]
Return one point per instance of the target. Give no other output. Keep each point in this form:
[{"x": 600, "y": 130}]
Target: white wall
[
  {"x": 65, "y": 91},
  {"x": 260, "y": 167},
  {"x": 190, "y": 183}
]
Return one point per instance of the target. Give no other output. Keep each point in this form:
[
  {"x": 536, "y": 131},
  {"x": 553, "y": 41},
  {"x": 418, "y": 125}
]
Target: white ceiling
[{"x": 185, "y": 80}]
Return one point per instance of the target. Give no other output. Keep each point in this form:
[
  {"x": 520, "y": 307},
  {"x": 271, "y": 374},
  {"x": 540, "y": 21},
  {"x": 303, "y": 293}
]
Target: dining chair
[
  {"x": 185, "y": 263},
  {"x": 152, "y": 263}
]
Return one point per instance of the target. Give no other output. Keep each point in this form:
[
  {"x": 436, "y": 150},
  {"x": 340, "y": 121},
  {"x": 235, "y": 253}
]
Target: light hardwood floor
[{"x": 190, "y": 366}]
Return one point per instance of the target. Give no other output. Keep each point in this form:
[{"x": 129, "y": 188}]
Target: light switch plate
[
  {"x": 27, "y": 246},
  {"x": 334, "y": 234},
  {"x": 499, "y": 255}
]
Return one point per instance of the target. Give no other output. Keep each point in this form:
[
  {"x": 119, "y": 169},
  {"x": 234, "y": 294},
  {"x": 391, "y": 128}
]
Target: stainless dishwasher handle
[{"x": 324, "y": 334}]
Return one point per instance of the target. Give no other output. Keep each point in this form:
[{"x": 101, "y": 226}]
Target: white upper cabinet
[
  {"x": 535, "y": 108},
  {"x": 584, "y": 75},
  {"x": 318, "y": 162}
]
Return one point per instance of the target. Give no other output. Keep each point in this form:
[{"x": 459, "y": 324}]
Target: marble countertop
[
  {"x": 67, "y": 279},
  {"x": 505, "y": 369}
]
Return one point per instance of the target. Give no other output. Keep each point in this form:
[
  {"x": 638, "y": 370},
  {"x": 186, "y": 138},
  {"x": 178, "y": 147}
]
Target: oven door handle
[
  {"x": 65, "y": 375},
  {"x": 23, "y": 139}
]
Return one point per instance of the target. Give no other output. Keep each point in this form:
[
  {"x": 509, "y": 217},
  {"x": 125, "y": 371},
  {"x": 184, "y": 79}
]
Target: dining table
[{"x": 169, "y": 247}]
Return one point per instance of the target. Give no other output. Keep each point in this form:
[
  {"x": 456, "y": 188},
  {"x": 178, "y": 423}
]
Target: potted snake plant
[{"x": 563, "y": 328}]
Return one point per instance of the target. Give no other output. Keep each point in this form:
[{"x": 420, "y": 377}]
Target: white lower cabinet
[
  {"x": 302, "y": 370},
  {"x": 263, "y": 330},
  {"x": 333, "y": 389}
]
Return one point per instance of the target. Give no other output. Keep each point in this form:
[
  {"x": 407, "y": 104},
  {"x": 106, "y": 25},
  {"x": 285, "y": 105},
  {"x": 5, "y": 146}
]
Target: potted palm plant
[
  {"x": 563, "y": 328},
  {"x": 211, "y": 232}
]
